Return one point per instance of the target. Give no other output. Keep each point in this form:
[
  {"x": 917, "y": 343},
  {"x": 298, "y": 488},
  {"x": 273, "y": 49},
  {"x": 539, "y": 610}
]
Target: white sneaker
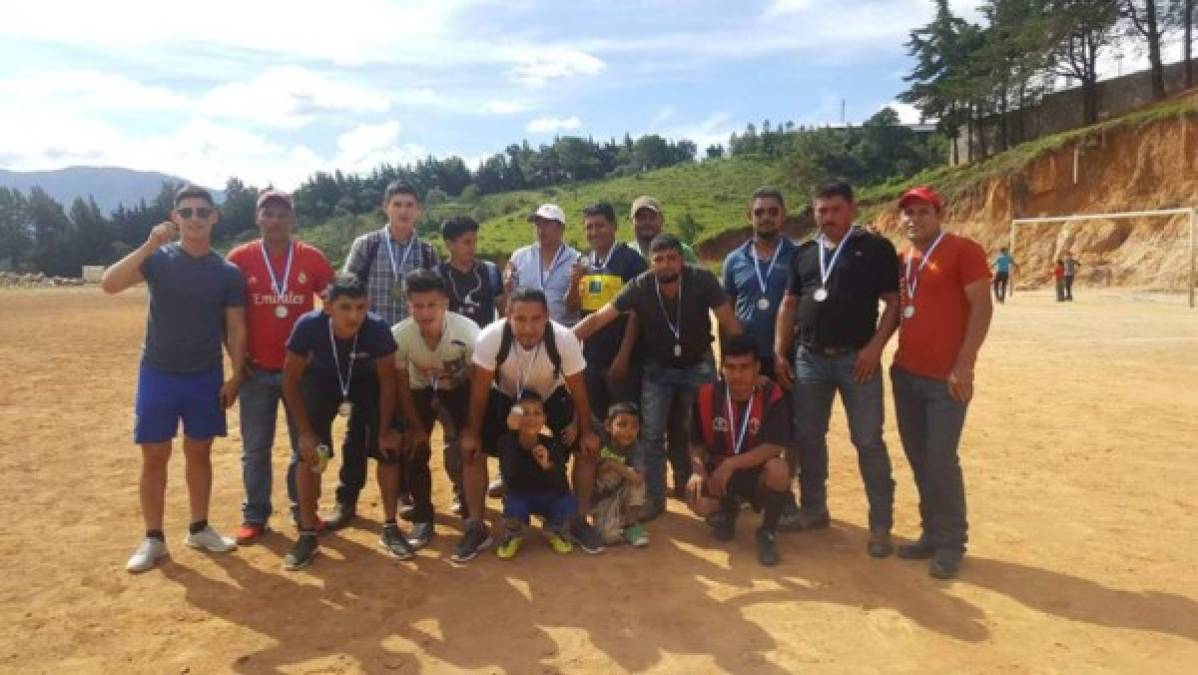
[
  {"x": 147, "y": 554},
  {"x": 210, "y": 540}
]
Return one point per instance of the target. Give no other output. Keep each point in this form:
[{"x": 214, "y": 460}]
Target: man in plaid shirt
[{"x": 381, "y": 259}]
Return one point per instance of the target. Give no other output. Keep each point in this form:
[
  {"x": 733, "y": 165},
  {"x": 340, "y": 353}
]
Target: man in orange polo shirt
[{"x": 946, "y": 310}]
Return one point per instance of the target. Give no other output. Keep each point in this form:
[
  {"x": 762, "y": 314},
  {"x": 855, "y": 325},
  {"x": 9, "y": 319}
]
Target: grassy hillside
[{"x": 713, "y": 193}]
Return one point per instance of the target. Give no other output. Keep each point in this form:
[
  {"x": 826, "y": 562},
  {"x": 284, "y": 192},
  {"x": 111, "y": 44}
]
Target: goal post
[{"x": 1191, "y": 213}]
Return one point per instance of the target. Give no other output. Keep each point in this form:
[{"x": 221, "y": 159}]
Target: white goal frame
[{"x": 1191, "y": 212}]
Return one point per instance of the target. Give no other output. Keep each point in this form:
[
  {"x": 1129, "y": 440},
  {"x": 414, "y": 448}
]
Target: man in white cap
[{"x": 546, "y": 265}]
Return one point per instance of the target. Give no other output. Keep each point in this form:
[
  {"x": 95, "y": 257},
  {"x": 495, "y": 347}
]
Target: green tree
[
  {"x": 16, "y": 229},
  {"x": 52, "y": 235},
  {"x": 1081, "y": 30}
]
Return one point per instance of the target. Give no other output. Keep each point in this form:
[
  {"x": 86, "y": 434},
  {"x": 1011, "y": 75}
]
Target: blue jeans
[
  {"x": 817, "y": 380},
  {"x": 660, "y": 388},
  {"x": 930, "y": 423},
  {"x": 260, "y": 395},
  {"x": 556, "y": 509}
]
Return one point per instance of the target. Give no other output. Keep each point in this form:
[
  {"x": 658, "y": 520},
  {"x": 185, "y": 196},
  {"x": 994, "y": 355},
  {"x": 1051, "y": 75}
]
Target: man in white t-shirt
[
  {"x": 433, "y": 358},
  {"x": 526, "y": 351}
]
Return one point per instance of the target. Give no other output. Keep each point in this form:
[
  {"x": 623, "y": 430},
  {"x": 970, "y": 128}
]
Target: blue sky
[{"x": 272, "y": 91}]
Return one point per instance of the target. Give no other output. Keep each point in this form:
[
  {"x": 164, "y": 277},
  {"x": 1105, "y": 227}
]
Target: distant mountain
[{"x": 109, "y": 185}]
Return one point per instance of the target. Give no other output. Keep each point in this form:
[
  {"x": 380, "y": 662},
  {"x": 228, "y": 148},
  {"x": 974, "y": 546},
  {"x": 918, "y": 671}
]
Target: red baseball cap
[
  {"x": 268, "y": 195},
  {"x": 923, "y": 193}
]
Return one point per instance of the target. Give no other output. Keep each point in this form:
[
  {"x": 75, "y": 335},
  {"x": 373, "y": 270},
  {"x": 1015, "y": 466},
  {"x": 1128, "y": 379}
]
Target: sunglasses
[{"x": 199, "y": 212}]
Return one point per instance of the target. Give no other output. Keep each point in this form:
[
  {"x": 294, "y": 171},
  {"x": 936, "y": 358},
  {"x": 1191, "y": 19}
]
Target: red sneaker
[{"x": 249, "y": 533}]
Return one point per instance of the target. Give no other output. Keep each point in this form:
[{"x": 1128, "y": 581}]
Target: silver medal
[
  {"x": 908, "y": 311},
  {"x": 763, "y": 304},
  {"x": 345, "y": 408},
  {"x": 677, "y": 349},
  {"x": 281, "y": 311},
  {"x": 820, "y": 294}
]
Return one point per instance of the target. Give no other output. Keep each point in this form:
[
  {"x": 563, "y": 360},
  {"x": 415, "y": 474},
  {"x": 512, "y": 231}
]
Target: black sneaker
[
  {"x": 723, "y": 524},
  {"x": 918, "y": 550},
  {"x": 767, "y": 548},
  {"x": 879, "y": 545},
  {"x": 791, "y": 518},
  {"x": 476, "y": 538},
  {"x": 420, "y": 533},
  {"x": 585, "y": 536},
  {"x": 302, "y": 553},
  {"x": 343, "y": 514},
  {"x": 395, "y": 543},
  {"x": 946, "y": 563}
]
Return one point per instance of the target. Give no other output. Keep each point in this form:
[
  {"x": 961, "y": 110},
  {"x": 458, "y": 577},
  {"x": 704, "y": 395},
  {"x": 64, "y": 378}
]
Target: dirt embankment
[
  {"x": 1154, "y": 166},
  {"x": 1115, "y": 169}
]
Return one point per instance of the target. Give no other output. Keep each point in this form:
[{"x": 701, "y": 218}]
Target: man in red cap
[
  {"x": 946, "y": 311},
  {"x": 281, "y": 278}
]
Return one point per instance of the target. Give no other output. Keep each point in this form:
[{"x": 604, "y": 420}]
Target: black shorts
[
  {"x": 559, "y": 414},
  {"x": 322, "y": 400},
  {"x": 743, "y": 486}
]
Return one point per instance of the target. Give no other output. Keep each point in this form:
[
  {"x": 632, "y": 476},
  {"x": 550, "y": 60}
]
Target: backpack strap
[
  {"x": 505, "y": 345},
  {"x": 373, "y": 241},
  {"x": 555, "y": 356},
  {"x": 550, "y": 342}
]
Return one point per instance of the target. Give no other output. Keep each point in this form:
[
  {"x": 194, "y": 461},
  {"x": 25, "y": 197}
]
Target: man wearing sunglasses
[{"x": 196, "y": 302}]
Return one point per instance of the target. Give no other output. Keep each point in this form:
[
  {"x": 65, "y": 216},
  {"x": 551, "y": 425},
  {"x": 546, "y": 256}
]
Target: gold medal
[{"x": 345, "y": 408}]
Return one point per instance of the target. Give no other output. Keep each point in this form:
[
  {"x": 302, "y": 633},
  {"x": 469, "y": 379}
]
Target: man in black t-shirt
[
  {"x": 836, "y": 282},
  {"x": 340, "y": 362},
  {"x": 671, "y": 304},
  {"x": 475, "y": 286},
  {"x": 596, "y": 278},
  {"x": 738, "y": 432}
]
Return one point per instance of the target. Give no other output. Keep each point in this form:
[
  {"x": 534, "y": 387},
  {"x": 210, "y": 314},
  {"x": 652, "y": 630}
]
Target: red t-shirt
[
  {"x": 266, "y": 332},
  {"x": 1058, "y": 271},
  {"x": 930, "y": 340}
]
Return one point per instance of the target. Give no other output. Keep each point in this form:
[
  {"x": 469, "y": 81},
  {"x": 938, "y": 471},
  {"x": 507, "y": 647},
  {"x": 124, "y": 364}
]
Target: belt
[{"x": 829, "y": 351}]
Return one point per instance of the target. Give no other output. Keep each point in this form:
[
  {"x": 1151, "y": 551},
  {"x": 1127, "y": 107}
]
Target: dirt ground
[{"x": 1079, "y": 461}]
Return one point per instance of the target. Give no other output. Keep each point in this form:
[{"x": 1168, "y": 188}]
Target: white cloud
[
  {"x": 786, "y": 7},
  {"x": 537, "y": 66},
  {"x": 368, "y": 145},
  {"x": 908, "y": 114},
  {"x": 348, "y": 32},
  {"x": 714, "y": 130},
  {"x": 505, "y": 107},
  {"x": 290, "y": 97},
  {"x": 549, "y": 125}
]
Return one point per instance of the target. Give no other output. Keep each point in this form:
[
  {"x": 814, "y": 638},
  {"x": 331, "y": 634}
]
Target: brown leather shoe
[{"x": 879, "y": 545}]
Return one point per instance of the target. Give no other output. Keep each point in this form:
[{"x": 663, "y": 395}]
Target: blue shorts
[
  {"x": 163, "y": 398},
  {"x": 556, "y": 509}
]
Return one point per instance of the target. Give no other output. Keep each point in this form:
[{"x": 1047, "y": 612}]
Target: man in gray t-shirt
[{"x": 196, "y": 303}]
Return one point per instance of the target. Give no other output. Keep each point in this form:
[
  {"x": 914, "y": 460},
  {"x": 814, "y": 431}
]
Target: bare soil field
[{"x": 1080, "y": 455}]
